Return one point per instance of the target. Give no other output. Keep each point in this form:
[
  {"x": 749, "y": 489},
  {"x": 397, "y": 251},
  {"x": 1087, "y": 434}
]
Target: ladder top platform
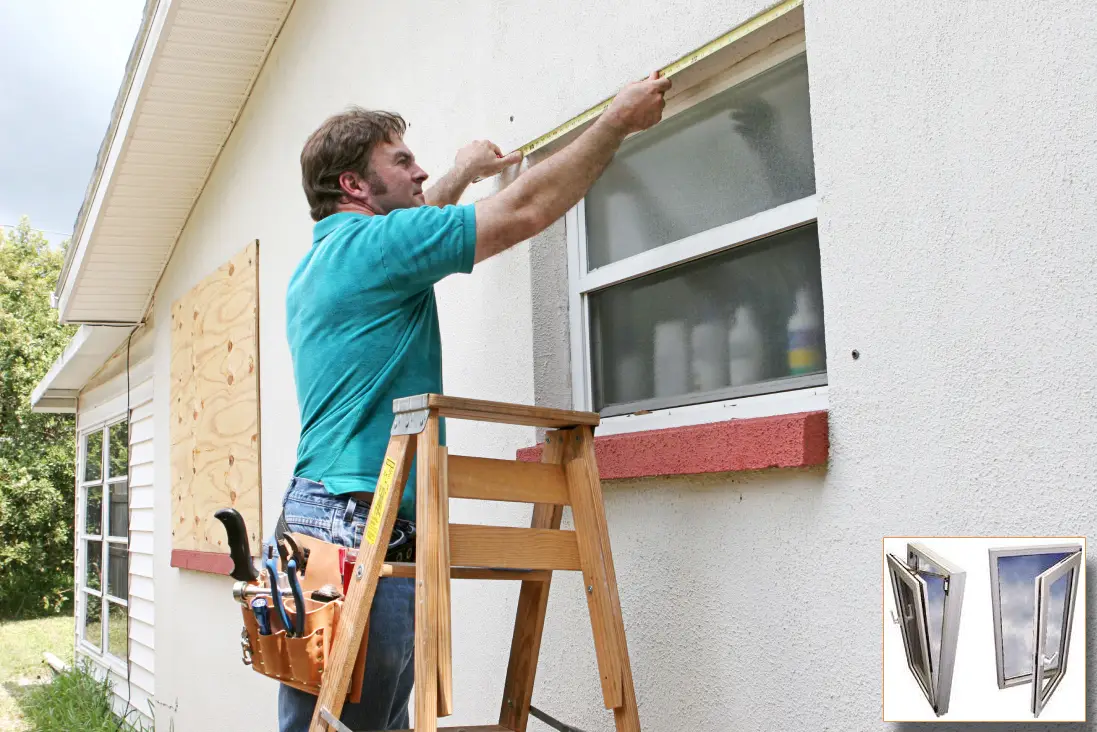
[{"x": 480, "y": 410}]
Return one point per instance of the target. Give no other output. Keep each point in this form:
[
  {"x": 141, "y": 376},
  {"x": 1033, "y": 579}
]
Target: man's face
[{"x": 395, "y": 180}]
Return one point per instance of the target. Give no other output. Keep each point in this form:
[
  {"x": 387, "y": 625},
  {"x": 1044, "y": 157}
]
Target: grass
[
  {"x": 33, "y": 698},
  {"x": 21, "y": 645}
]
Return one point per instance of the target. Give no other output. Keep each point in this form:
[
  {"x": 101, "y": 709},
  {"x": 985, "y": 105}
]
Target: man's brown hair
[{"x": 343, "y": 143}]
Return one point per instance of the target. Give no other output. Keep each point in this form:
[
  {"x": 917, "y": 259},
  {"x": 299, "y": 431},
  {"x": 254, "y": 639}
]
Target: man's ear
[{"x": 353, "y": 185}]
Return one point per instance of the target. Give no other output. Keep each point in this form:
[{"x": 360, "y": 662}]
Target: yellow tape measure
[{"x": 670, "y": 70}]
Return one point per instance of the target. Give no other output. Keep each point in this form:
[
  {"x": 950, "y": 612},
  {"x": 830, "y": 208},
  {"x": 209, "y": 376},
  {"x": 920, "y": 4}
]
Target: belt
[{"x": 401, "y": 543}]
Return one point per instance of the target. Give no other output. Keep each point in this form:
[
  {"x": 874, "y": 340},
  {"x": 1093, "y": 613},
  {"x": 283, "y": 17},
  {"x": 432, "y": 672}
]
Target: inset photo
[{"x": 980, "y": 629}]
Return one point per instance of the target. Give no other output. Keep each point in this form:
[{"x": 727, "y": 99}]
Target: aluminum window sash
[
  {"x": 996, "y": 601},
  {"x": 721, "y": 238},
  {"x": 950, "y": 630},
  {"x": 901, "y": 574},
  {"x": 788, "y": 383},
  {"x": 577, "y": 315},
  {"x": 1040, "y": 659}
]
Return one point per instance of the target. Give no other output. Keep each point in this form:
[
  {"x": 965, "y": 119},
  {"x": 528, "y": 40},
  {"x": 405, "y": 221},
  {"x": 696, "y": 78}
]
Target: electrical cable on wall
[{"x": 129, "y": 542}]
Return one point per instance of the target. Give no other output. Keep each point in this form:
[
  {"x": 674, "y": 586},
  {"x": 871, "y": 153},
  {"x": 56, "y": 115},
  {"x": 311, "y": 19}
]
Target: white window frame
[
  {"x": 937, "y": 688},
  {"x": 582, "y": 282},
  {"x": 106, "y": 480},
  {"x": 1042, "y": 582}
]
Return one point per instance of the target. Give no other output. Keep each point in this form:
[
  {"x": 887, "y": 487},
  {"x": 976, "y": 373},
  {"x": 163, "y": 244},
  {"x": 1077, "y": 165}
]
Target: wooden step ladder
[{"x": 566, "y": 476}]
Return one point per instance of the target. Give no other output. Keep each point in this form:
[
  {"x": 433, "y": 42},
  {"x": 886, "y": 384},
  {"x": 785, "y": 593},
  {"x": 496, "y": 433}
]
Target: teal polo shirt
[{"x": 362, "y": 325}]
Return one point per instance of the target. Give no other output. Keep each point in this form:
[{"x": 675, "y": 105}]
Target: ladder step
[
  {"x": 504, "y": 547},
  {"x": 407, "y": 569},
  {"x": 484, "y": 411},
  {"x": 488, "y": 479}
]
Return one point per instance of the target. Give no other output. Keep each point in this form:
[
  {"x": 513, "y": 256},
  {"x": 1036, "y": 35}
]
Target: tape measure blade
[{"x": 675, "y": 67}]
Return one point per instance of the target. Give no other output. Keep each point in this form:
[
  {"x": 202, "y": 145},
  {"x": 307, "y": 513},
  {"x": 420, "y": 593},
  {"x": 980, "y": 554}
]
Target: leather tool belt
[{"x": 298, "y": 659}]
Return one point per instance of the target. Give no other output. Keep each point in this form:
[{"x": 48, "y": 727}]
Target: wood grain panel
[{"x": 214, "y": 417}]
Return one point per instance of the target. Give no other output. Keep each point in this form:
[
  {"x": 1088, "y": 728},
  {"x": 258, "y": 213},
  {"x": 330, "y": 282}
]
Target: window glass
[
  {"x": 93, "y": 456},
  {"x": 909, "y": 603},
  {"x": 935, "y": 608},
  {"x": 745, "y": 150},
  {"x": 118, "y": 570},
  {"x": 117, "y": 630},
  {"x": 93, "y": 620},
  {"x": 118, "y": 508},
  {"x": 93, "y": 509},
  {"x": 119, "y": 450},
  {"x": 711, "y": 328},
  {"x": 1056, "y": 621},
  {"x": 93, "y": 563},
  {"x": 1017, "y": 598}
]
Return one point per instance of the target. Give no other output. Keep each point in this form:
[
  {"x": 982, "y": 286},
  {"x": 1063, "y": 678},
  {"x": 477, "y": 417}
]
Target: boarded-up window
[{"x": 215, "y": 405}]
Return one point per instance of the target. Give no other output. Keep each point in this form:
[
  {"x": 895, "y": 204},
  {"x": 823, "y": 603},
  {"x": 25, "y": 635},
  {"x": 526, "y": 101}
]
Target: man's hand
[
  {"x": 475, "y": 161},
  {"x": 639, "y": 105},
  {"x": 483, "y": 159}
]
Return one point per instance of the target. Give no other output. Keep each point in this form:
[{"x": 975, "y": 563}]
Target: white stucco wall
[{"x": 956, "y": 167}]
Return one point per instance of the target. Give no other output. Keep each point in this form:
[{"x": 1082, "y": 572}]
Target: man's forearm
[
  {"x": 447, "y": 191},
  {"x": 551, "y": 188}
]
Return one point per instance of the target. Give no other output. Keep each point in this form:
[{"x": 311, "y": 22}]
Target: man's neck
[{"x": 355, "y": 207}]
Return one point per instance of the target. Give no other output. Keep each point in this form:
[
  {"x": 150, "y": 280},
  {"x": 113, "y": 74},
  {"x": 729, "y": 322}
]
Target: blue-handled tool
[
  {"x": 262, "y": 614},
  {"x": 298, "y": 595},
  {"x": 276, "y": 593}
]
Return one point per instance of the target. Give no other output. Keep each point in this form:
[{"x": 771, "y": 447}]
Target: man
[{"x": 363, "y": 330}]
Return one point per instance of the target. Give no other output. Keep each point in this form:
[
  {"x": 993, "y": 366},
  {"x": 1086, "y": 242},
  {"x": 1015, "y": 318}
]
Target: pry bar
[
  {"x": 554, "y": 723},
  {"x": 332, "y": 722}
]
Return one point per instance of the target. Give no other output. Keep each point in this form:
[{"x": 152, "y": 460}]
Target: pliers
[{"x": 298, "y": 629}]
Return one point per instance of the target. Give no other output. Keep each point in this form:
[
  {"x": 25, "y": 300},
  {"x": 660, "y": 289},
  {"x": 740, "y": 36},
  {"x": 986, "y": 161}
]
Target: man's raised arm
[
  {"x": 479, "y": 159},
  {"x": 545, "y": 192}
]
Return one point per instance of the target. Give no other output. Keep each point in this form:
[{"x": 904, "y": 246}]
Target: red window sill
[
  {"x": 212, "y": 562},
  {"x": 786, "y": 441}
]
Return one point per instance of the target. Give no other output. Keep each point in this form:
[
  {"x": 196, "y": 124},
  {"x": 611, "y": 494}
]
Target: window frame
[
  {"x": 996, "y": 602},
  {"x": 901, "y": 574},
  {"x": 805, "y": 393},
  {"x": 106, "y": 540},
  {"x": 1044, "y": 581},
  {"x": 955, "y": 581}
]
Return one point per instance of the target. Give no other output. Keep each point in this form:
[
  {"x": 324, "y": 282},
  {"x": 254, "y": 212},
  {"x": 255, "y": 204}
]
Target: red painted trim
[
  {"x": 786, "y": 441},
  {"x": 212, "y": 562}
]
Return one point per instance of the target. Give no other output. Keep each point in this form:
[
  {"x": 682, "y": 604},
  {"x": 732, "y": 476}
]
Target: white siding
[{"x": 142, "y": 667}]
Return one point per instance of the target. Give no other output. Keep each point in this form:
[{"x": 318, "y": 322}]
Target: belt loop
[{"x": 348, "y": 514}]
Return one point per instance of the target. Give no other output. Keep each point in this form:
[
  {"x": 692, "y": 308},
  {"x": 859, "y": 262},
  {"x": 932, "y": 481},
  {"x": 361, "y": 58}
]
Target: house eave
[
  {"x": 188, "y": 79},
  {"x": 86, "y": 352}
]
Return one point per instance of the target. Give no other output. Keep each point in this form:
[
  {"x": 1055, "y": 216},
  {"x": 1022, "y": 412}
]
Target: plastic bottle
[
  {"x": 708, "y": 342},
  {"x": 746, "y": 350},
  {"x": 671, "y": 359},
  {"x": 805, "y": 336}
]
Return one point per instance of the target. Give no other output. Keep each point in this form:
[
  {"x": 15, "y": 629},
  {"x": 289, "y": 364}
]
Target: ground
[{"x": 21, "y": 645}]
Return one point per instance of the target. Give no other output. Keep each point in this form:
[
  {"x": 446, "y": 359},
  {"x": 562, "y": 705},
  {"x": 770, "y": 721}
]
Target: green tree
[{"x": 37, "y": 451}]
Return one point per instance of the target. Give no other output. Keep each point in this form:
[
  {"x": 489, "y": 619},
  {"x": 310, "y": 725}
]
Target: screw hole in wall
[{"x": 856, "y": 354}]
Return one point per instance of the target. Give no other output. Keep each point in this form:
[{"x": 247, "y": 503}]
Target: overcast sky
[{"x": 61, "y": 62}]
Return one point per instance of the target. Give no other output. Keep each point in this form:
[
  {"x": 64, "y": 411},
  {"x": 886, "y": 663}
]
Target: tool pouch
[{"x": 300, "y": 661}]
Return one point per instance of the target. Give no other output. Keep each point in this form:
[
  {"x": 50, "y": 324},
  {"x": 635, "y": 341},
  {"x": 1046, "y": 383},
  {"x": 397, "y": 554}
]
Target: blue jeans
[{"x": 390, "y": 661}]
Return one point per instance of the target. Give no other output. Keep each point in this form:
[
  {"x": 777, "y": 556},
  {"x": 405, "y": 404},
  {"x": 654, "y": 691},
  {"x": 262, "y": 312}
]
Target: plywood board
[{"x": 215, "y": 442}]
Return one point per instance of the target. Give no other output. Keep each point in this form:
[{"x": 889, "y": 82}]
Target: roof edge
[{"x": 138, "y": 49}]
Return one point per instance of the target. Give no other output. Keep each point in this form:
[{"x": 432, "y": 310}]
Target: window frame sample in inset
[
  {"x": 926, "y": 563},
  {"x": 914, "y": 623},
  {"x": 1067, "y": 569},
  {"x": 1027, "y": 608}
]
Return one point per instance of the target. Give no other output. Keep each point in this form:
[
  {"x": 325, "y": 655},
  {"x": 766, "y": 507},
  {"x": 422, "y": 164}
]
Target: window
[
  {"x": 1033, "y": 590},
  {"x": 104, "y": 577},
  {"x": 694, "y": 260},
  {"x": 929, "y": 593}
]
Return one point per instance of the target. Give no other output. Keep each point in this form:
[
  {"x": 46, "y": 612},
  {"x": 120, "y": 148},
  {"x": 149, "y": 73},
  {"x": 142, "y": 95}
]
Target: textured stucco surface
[{"x": 956, "y": 168}]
